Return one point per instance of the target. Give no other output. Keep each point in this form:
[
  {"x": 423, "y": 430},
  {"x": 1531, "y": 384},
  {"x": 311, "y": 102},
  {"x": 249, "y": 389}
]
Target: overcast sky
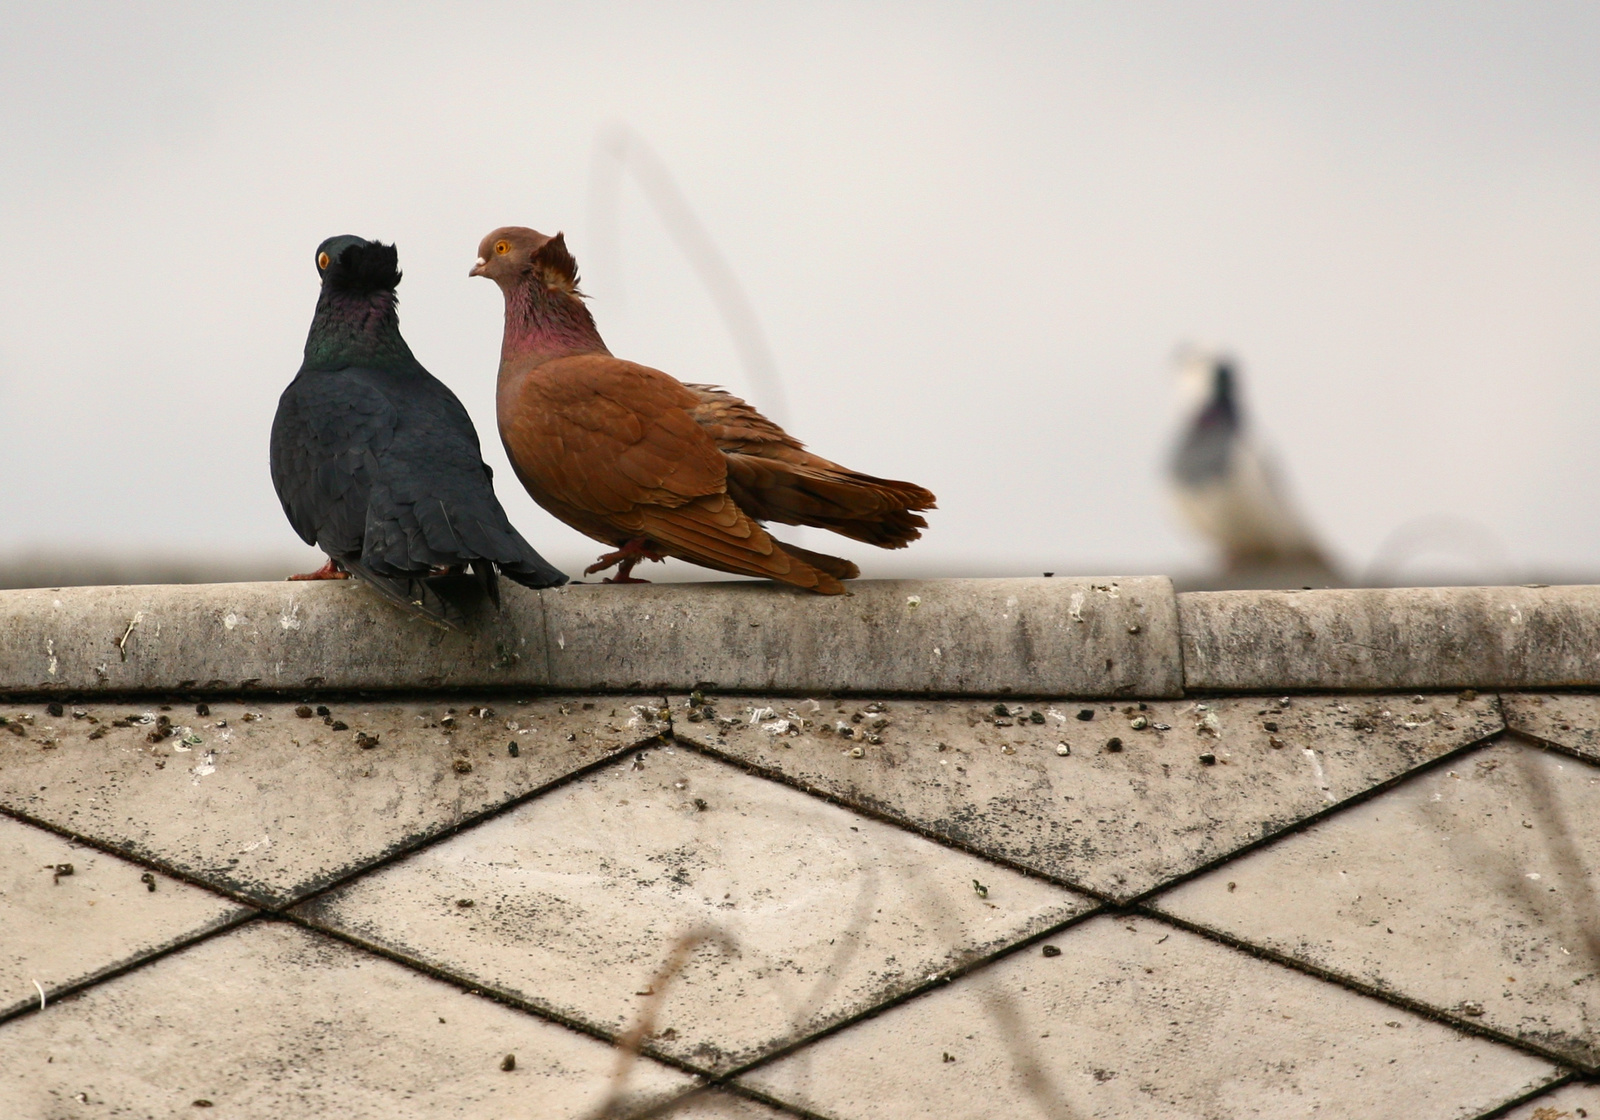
[{"x": 974, "y": 235}]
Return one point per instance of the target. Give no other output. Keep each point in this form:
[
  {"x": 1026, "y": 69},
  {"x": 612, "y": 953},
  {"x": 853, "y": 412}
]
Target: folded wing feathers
[{"x": 773, "y": 478}]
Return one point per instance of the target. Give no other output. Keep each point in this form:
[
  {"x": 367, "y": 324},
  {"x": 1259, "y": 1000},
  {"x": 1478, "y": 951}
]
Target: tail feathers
[
  {"x": 514, "y": 556},
  {"x": 891, "y": 530},
  {"x": 815, "y": 492},
  {"x": 533, "y": 571},
  {"x": 450, "y": 600}
]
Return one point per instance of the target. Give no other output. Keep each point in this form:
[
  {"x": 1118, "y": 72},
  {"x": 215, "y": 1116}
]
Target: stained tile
[
  {"x": 1148, "y": 792},
  {"x": 1135, "y": 1018},
  {"x": 272, "y": 1021},
  {"x": 260, "y": 801},
  {"x": 788, "y": 912},
  {"x": 1470, "y": 888},
  {"x": 1570, "y": 720},
  {"x": 69, "y": 913}
]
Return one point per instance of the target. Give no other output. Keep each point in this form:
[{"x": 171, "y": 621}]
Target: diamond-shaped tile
[
  {"x": 265, "y": 803},
  {"x": 1135, "y": 1018},
  {"x": 1469, "y": 888},
  {"x": 790, "y": 912},
  {"x": 1148, "y": 792},
  {"x": 69, "y": 913},
  {"x": 273, "y": 1021},
  {"x": 1570, "y": 1102},
  {"x": 1567, "y": 720}
]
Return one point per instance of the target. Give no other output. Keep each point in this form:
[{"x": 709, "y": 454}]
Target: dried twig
[{"x": 631, "y": 1041}]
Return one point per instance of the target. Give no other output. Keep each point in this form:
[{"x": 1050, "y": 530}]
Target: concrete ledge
[
  {"x": 1108, "y": 637},
  {"x": 253, "y": 637},
  {"x": 1061, "y": 637},
  {"x": 1400, "y": 638}
]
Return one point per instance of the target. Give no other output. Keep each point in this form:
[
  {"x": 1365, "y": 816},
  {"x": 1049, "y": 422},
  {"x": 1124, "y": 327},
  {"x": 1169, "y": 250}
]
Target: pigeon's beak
[{"x": 478, "y": 268}]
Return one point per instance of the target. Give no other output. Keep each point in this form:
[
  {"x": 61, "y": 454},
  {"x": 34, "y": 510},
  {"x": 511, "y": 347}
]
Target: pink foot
[
  {"x": 627, "y": 556},
  {"x": 330, "y": 570}
]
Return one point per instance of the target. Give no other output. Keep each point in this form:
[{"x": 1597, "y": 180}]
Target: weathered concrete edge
[
  {"x": 1114, "y": 636},
  {"x": 1493, "y": 638},
  {"x": 1089, "y": 637}
]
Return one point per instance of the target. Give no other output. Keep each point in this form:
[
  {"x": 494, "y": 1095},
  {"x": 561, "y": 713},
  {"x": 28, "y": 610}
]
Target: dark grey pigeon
[{"x": 376, "y": 462}]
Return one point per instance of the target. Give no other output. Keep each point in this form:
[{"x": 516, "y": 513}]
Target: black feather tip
[{"x": 358, "y": 265}]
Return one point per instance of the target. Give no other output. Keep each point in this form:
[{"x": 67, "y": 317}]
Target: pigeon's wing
[
  {"x": 432, "y": 503},
  {"x": 611, "y": 443},
  {"x": 327, "y": 438},
  {"x": 774, "y": 478}
]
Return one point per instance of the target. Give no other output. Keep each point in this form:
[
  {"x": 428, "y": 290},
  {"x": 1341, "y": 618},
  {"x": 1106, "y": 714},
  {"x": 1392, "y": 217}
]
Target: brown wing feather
[
  {"x": 773, "y": 478},
  {"x": 613, "y": 449},
  {"x": 603, "y": 435},
  {"x": 714, "y": 532}
]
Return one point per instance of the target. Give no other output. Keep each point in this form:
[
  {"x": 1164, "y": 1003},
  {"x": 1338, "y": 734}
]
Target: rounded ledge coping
[
  {"x": 1101, "y": 637},
  {"x": 1112, "y": 636},
  {"x": 1403, "y": 638}
]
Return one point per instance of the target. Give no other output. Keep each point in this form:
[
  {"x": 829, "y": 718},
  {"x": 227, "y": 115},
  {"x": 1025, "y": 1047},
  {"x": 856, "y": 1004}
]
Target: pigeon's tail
[
  {"x": 449, "y": 600},
  {"x": 533, "y": 571}
]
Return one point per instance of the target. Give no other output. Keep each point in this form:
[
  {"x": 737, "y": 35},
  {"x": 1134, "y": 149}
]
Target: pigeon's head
[
  {"x": 514, "y": 254},
  {"x": 355, "y": 264},
  {"x": 1206, "y": 378}
]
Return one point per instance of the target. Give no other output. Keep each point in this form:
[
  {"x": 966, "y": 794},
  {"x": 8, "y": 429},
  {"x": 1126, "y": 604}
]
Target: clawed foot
[
  {"x": 330, "y": 570},
  {"x": 627, "y": 556}
]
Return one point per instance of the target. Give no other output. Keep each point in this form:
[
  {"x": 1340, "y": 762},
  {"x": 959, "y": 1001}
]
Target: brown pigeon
[{"x": 655, "y": 467}]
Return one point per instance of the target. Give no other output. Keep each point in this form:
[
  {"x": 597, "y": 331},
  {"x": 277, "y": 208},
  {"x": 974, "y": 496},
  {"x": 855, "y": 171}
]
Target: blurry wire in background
[
  {"x": 1440, "y": 548},
  {"x": 618, "y": 149}
]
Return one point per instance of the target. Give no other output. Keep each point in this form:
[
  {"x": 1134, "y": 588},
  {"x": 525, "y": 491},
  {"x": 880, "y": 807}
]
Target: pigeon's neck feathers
[
  {"x": 1222, "y": 409},
  {"x": 356, "y": 328},
  {"x": 545, "y": 322}
]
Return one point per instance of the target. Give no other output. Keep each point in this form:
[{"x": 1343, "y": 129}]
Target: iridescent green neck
[{"x": 356, "y": 328}]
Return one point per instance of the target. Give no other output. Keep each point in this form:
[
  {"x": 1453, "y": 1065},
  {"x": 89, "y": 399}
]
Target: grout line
[
  {"x": 710, "y": 1079},
  {"x": 480, "y": 988},
  {"x": 138, "y": 859},
  {"x": 670, "y": 1105},
  {"x": 752, "y": 1093},
  {"x": 884, "y": 816},
  {"x": 66, "y": 992},
  {"x": 483, "y": 816},
  {"x": 1351, "y": 984},
  {"x": 713, "y": 1079},
  {"x": 275, "y": 905},
  {"x": 941, "y": 980},
  {"x": 887, "y": 817},
  {"x": 1314, "y": 819},
  {"x": 1528, "y": 1097},
  {"x": 1552, "y": 747}
]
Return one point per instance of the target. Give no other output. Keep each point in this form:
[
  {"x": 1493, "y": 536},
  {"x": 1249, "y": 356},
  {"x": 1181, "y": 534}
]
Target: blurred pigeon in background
[
  {"x": 1227, "y": 489},
  {"x": 376, "y": 462},
  {"x": 655, "y": 467}
]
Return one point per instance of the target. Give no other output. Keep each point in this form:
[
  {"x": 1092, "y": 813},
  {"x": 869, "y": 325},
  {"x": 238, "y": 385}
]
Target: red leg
[
  {"x": 330, "y": 570},
  {"x": 627, "y": 556}
]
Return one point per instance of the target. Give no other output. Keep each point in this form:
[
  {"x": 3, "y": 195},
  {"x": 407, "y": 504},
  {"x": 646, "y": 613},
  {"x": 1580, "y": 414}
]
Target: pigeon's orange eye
[
  {"x": 322, "y": 260},
  {"x": 501, "y": 248}
]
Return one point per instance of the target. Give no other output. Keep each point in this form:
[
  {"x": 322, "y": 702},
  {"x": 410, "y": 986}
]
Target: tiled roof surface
[{"x": 1363, "y": 905}]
